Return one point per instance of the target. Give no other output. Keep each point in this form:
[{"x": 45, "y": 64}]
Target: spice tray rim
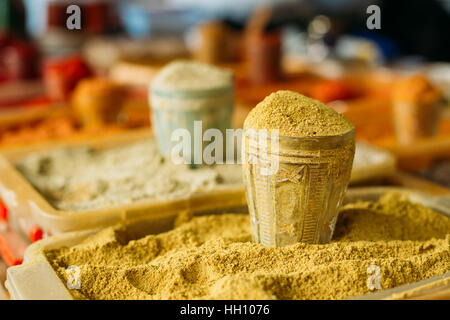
[{"x": 36, "y": 278}]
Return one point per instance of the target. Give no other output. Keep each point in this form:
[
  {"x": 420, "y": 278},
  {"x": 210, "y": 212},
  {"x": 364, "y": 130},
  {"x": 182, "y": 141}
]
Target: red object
[
  {"x": 35, "y": 233},
  {"x": 18, "y": 59},
  {"x": 33, "y": 102},
  {"x": 3, "y": 212},
  {"x": 332, "y": 90},
  {"x": 39, "y": 101},
  {"x": 12, "y": 248},
  {"x": 61, "y": 76}
]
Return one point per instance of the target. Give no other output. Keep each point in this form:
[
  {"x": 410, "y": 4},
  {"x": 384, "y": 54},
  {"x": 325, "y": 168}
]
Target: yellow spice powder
[
  {"x": 211, "y": 257},
  {"x": 296, "y": 115}
]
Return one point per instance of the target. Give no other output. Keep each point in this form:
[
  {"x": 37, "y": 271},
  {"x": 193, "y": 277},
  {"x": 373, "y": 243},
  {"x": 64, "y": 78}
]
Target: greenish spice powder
[
  {"x": 294, "y": 114},
  {"x": 212, "y": 257},
  {"x": 84, "y": 178}
]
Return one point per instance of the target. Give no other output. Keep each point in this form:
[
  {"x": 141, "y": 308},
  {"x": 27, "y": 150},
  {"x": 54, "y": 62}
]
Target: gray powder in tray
[{"x": 82, "y": 178}]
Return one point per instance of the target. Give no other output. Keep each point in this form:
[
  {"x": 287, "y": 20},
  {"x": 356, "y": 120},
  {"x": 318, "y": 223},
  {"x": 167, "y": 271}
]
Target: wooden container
[
  {"x": 212, "y": 42},
  {"x": 416, "y": 105}
]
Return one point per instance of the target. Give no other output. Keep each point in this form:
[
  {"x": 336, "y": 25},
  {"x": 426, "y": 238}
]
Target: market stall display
[
  {"x": 41, "y": 131},
  {"x": 370, "y": 164},
  {"x": 207, "y": 150}
]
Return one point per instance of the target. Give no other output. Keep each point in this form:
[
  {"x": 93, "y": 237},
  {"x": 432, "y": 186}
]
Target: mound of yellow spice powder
[
  {"x": 296, "y": 115},
  {"x": 212, "y": 257}
]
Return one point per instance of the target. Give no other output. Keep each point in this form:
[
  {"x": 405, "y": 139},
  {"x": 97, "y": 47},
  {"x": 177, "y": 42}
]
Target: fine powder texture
[
  {"x": 211, "y": 257},
  {"x": 190, "y": 75},
  {"x": 294, "y": 114},
  {"x": 85, "y": 178}
]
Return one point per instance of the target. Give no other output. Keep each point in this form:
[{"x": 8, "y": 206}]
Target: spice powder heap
[
  {"x": 294, "y": 114},
  {"x": 211, "y": 257}
]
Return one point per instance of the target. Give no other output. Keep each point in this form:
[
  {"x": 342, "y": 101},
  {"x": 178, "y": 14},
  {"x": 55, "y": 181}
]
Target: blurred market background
[
  {"x": 59, "y": 85},
  {"x": 323, "y": 49}
]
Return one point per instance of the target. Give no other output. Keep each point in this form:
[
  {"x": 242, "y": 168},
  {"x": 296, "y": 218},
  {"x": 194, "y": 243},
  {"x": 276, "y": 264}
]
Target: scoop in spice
[{"x": 296, "y": 115}]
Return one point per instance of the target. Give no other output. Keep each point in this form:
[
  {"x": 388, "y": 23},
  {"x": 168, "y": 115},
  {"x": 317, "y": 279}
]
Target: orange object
[
  {"x": 53, "y": 128},
  {"x": 35, "y": 234},
  {"x": 12, "y": 247},
  {"x": 98, "y": 101},
  {"x": 416, "y": 89},
  {"x": 416, "y": 104},
  {"x": 332, "y": 90},
  {"x": 263, "y": 55},
  {"x": 18, "y": 59}
]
